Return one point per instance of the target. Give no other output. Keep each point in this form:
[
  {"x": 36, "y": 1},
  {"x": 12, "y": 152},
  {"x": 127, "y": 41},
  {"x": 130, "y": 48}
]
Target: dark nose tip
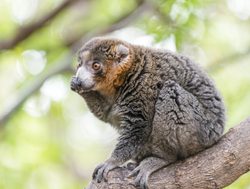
[{"x": 75, "y": 83}]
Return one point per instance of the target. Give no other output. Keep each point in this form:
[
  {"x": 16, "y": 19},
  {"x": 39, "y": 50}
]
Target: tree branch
[
  {"x": 215, "y": 167},
  {"x": 166, "y": 19},
  {"x": 230, "y": 59},
  {"x": 121, "y": 22},
  {"x": 25, "y": 32}
]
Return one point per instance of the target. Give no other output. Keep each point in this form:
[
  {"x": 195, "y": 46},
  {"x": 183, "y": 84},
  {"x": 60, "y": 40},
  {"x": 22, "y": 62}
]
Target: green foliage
[{"x": 51, "y": 140}]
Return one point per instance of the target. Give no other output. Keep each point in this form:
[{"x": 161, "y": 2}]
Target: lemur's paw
[
  {"x": 144, "y": 170},
  {"x": 101, "y": 171}
]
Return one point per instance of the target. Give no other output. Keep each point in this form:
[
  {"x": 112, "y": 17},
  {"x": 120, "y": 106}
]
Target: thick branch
[
  {"x": 215, "y": 167},
  {"x": 25, "y": 32}
]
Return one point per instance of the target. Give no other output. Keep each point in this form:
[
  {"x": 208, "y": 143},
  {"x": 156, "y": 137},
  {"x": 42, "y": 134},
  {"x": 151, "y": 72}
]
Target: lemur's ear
[{"x": 121, "y": 52}]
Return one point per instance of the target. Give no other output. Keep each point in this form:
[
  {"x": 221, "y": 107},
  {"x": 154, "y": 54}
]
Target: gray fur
[{"x": 167, "y": 109}]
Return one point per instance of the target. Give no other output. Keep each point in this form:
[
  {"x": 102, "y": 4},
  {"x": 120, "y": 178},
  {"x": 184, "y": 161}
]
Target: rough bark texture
[{"x": 215, "y": 167}]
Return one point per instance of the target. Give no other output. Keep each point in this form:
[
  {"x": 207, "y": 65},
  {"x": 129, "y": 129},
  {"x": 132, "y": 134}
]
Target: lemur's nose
[
  {"x": 78, "y": 82},
  {"x": 75, "y": 83}
]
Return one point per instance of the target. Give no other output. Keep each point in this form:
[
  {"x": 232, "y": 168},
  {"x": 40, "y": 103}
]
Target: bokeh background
[{"x": 48, "y": 138}]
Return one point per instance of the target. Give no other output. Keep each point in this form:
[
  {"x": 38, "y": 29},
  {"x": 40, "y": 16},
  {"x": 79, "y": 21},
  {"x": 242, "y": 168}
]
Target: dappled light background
[{"x": 48, "y": 138}]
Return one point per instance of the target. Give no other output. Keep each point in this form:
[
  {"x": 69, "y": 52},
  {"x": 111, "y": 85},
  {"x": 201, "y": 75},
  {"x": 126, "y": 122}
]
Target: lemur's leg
[
  {"x": 183, "y": 121},
  {"x": 177, "y": 130}
]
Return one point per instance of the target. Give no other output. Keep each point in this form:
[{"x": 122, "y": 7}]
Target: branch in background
[
  {"x": 123, "y": 21},
  {"x": 65, "y": 64},
  {"x": 62, "y": 65},
  {"x": 26, "y": 31},
  {"x": 215, "y": 167},
  {"x": 212, "y": 67},
  {"x": 226, "y": 60},
  {"x": 162, "y": 16}
]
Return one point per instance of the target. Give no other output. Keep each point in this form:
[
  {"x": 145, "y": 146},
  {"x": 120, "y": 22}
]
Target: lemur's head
[{"x": 103, "y": 64}]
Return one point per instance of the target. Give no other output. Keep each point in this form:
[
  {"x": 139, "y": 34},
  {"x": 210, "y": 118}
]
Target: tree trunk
[{"x": 215, "y": 167}]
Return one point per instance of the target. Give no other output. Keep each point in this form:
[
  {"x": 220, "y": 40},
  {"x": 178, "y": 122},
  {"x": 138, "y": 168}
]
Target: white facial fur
[{"x": 86, "y": 77}]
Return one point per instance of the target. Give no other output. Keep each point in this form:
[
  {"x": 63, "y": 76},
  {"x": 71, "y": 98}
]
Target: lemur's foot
[
  {"x": 101, "y": 171},
  {"x": 145, "y": 169}
]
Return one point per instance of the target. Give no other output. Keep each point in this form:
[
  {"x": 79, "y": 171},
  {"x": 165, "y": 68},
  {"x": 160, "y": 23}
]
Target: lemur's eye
[{"x": 96, "y": 66}]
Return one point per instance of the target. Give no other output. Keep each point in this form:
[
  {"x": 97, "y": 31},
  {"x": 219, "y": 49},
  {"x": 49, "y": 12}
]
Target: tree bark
[{"x": 215, "y": 167}]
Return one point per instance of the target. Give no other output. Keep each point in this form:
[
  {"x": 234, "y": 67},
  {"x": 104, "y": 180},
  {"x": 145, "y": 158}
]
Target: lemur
[{"x": 162, "y": 104}]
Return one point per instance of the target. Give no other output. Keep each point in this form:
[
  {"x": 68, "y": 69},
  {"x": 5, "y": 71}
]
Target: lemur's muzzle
[
  {"x": 76, "y": 84},
  {"x": 80, "y": 86}
]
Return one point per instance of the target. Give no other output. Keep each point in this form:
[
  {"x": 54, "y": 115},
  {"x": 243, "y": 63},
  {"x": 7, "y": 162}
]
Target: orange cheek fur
[{"x": 113, "y": 79}]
